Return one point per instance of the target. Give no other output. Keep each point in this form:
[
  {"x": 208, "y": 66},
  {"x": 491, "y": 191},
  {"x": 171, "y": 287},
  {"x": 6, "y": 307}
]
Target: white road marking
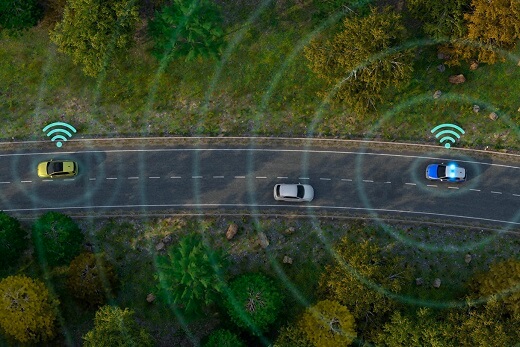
[
  {"x": 496, "y": 192},
  {"x": 175, "y": 177},
  {"x": 91, "y": 179},
  {"x": 388, "y": 182},
  {"x": 432, "y": 185},
  {"x": 44, "y": 181},
  {"x": 324, "y": 179},
  {"x": 282, "y": 177},
  {"x": 26, "y": 181},
  {"x": 475, "y": 190},
  {"x": 453, "y": 187},
  {"x": 240, "y": 176},
  {"x": 303, "y": 178},
  {"x": 111, "y": 178},
  {"x": 133, "y": 178},
  {"x": 153, "y": 177},
  {"x": 411, "y": 184},
  {"x": 346, "y": 179},
  {"x": 218, "y": 176},
  {"x": 261, "y": 177},
  {"x": 368, "y": 181},
  {"x": 4, "y": 182},
  {"x": 516, "y": 194},
  {"x": 69, "y": 179},
  {"x": 196, "y": 176}
]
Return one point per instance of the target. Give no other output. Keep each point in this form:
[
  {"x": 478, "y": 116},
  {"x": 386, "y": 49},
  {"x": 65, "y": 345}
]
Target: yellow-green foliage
[
  {"x": 361, "y": 58},
  {"x": 93, "y": 31},
  {"x": 503, "y": 280},
  {"x": 91, "y": 278},
  {"x": 493, "y": 24},
  {"x": 27, "y": 311},
  {"x": 328, "y": 323}
]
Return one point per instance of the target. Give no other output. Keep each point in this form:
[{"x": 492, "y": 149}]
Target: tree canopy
[
  {"x": 187, "y": 28},
  {"x": 27, "y": 310},
  {"x": 191, "y": 274},
  {"x": 17, "y": 15},
  {"x": 362, "y": 59},
  {"x": 91, "y": 278},
  {"x": 57, "y": 238},
  {"x": 93, "y": 32},
  {"x": 329, "y": 324},
  {"x": 12, "y": 239},
  {"x": 114, "y": 327},
  {"x": 224, "y": 338},
  {"x": 253, "y": 302}
]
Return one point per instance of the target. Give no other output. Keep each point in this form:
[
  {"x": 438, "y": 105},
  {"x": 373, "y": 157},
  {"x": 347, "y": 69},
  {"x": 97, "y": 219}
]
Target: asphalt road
[{"x": 180, "y": 178}]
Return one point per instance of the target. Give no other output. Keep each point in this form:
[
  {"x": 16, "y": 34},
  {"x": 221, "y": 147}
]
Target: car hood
[
  {"x": 432, "y": 170},
  {"x": 455, "y": 172},
  {"x": 42, "y": 169}
]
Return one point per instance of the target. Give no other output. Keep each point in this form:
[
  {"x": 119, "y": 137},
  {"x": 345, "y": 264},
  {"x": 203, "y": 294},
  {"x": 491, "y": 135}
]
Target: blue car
[{"x": 450, "y": 172}]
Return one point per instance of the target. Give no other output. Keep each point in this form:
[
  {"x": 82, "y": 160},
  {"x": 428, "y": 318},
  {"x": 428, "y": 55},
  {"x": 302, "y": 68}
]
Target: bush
[{"x": 12, "y": 240}]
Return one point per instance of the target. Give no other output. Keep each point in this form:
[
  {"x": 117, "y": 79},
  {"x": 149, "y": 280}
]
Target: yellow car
[{"x": 57, "y": 169}]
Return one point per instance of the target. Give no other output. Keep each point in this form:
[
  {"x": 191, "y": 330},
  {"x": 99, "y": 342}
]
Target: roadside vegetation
[
  {"x": 254, "y": 68},
  {"x": 305, "y": 282}
]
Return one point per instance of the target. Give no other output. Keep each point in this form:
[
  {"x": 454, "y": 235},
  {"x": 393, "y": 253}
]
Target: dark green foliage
[
  {"x": 191, "y": 274},
  {"x": 91, "y": 278},
  {"x": 326, "y": 8},
  {"x": 114, "y": 327},
  {"x": 12, "y": 240},
  {"x": 292, "y": 336},
  {"x": 187, "y": 28},
  {"x": 57, "y": 238},
  {"x": 224, "y": 338},
  {"x": 253, "y": 302},
  {"x": 441, "y": 19},
  {"x": 17, "y": 15}
]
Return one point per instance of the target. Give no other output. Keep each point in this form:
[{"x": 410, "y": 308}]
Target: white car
[{"x": 293, "y": 192}]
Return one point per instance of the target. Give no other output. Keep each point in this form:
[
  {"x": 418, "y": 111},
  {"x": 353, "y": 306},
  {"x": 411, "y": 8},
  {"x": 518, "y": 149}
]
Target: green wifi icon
[
  {"x": 61, "y": 132},
  {"x": 447, "y": 138}
]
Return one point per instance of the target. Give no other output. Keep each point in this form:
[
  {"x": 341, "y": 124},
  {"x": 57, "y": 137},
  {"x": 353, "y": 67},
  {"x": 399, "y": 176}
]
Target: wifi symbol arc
[
  {"x": 61, "y": 134},
  {"x": 447, "y": 138}
]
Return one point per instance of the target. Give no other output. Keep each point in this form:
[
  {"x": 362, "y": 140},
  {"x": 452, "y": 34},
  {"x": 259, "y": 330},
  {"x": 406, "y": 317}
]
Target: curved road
[{"x": 217, "y": 177}]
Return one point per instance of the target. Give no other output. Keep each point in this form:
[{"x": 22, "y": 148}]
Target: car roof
[{"x": 289, "y": 190}]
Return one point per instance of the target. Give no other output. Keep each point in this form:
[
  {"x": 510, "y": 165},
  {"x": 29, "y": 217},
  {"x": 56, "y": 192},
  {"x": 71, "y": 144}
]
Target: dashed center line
[
  {"x": 411, "y": 184},
  {"x": 432, "y": 185},
  {"x": 92, "y": 179},
  {"x": 47, "y": 180},
  {"x": 133, "y": 178},
  {"x": 388, "y": 182},
  {"x": 69, "y": 179},
  {"x": 218, "y": 176},
  {"x": 368, "y": 181},
  {"x": 346, "y": 179},
  {"x": 475, "y": 190},
  {"x": 303, "y": 178},
  {"x": 154, "y": 177},
  {"x": 516, "y": 194},
  {"x": 111, "y": 178},
  {"x": 282, "y": 177},
  {"x": 324, "y": 179},
  {"x": 240, "y": 176},
  {"x": 175, "y": 176},
  {"x": 453, "y": 187},
  {"x": 5, "y": 182},
  {"x": 26, "y": 181},
  {"x": 261, "y": 177},
  {"x": 196, "y": 176},
  {"x": 496, "y": 192}
]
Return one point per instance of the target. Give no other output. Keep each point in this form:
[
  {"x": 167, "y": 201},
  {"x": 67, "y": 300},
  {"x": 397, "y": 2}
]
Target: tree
[
  {"x": 253, "y": 302},
  {"x": 488, "y": 325},
  {"x": 57, "y": 238},
  {"x": 441, "y": 19},
  {"x": 329, "y": 323},
  {"x": 191, "y": 274},
  {"x": 187, "y": 28},
  {"x": 91, "y": 278},
  {"x": 12, "y": 239},
  {"x": 292, "y": 336},
  {"x": 326, "y": 8},
  {"x": 92, "y": 32},
  {"x": 502, "y": 279},
  {"x": 27, "y": 310},
  {"x": 116, "y": 327},
  {"x": 492, "y": 25},
  {"x": 224, "y": 338},
  {"x": 362, "y": 58},
  {"x": 360, "y": 278},
  {"x": 17, "y": 15},
  {"x": 424, "y": 329}
]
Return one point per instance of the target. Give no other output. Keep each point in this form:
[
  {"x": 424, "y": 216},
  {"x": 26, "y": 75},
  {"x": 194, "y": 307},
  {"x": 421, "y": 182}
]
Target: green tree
[
  {"x": 502, "y": 279},
  {"x": 91, "y": 278},
  {"x": 114, "y": 327},
  {"x": 57, "y": 238},
  {"x": 253, "y": 302},
  {"x": 224, "y": 338},
  {"x": 187, "y": 28},
  {"x": 492, "y": 25},
  {"x": 292, "y": 336},
  {"x": 441, "y": 19},
  {"x": 362, "y": 58},
  {"x": 328, "y": 323},
  {"x": 17, "y": 15},
  {"x": 191, "y": 274},
  {"x": 360, "y": 278},
  {"x": 326, "y": 8},
  {"x": 486, "y": 325},
  {"x": 27, "y": 310},
  {"x": 12, "y": 240},
  {"x": 93, "y": 32},
  {"x": 424, "y": 329}
]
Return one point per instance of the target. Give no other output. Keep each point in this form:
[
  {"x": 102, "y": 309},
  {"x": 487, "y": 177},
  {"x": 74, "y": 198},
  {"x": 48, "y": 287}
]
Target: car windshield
[
  {"x": 301, "y": 191},
  {"x": 54, "y": 167},
  {"x": 441, "y": 171}
]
